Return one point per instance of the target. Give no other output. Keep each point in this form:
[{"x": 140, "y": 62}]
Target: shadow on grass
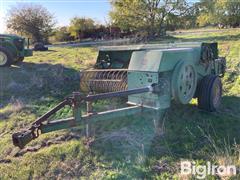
[
  {"x": 186, "y": 132},
  {"x": 34, "y": 84},
  {"x": 187, "y": 127}
]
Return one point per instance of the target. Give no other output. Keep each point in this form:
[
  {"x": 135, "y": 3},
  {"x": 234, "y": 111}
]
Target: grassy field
[{"x": 122, "y": 149}]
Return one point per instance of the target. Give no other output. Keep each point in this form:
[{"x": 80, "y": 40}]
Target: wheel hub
[
  {"x": 184, "y": 82},
  {"x": 3, "y": 58}
]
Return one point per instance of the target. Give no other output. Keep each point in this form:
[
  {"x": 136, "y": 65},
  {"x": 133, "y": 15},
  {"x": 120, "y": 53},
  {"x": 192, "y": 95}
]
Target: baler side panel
[
  {"x": 148, "y": 61},
  {"x": 140, "y": 79},
  {"x": 172, "y": 56}
]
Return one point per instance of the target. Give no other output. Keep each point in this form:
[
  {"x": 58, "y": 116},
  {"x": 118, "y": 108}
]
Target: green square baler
[{"x": 151, "y": 76}]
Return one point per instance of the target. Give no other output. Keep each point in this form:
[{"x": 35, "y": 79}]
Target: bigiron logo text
[{"x": 202, "y": 171}]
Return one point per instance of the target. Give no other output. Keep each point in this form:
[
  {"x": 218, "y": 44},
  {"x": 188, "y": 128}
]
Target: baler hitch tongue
[{"x": 22, "y": 138}]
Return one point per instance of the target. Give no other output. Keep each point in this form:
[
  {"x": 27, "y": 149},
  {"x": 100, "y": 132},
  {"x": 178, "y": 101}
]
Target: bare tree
[{"x": 31, "y": 20}]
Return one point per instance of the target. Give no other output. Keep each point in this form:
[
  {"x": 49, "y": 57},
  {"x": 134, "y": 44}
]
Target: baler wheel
[
  {"x": 6, "y": 57},
  {"x": 209, "y": 93}
]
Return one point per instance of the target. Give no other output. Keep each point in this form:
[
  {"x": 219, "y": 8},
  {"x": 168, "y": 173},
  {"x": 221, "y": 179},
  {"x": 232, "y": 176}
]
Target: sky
[{"x": 63, "y": 10}]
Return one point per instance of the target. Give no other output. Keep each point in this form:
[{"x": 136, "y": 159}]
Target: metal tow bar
[{"x": 23, "y": 137}]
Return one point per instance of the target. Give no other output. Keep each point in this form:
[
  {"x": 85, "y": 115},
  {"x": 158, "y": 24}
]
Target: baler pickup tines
[{"x": 101, "y": 81}]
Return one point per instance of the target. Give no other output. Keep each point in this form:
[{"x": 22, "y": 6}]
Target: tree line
[{"x": 139, "y": 18}]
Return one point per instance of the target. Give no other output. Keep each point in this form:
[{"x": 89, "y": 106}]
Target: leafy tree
[
  {"x": 62, "y": 34},
  {"x": 32, "y": 20},
  {"x": 145, "y": 15},
  {"x": 207, "y": 14},
  {"x": 185, "y": 20},
  {"x": 219, "y": 12},
  {"x": 228, "y": 12},
  {"x": 79, "y": 27}
]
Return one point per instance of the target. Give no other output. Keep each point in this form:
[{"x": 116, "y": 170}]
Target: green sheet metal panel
[
  {"x": 160, "y": 60},
  {"x": 145, "y": 61},
  {"x": 140, "y": 47},
  {"x": 155, "y": 67},
  {"x": 170, "y": 58},
  {"x": 137, "y": 79},
  {"x": 119, "y": 56},
  {"x": 161, "y": 100}
]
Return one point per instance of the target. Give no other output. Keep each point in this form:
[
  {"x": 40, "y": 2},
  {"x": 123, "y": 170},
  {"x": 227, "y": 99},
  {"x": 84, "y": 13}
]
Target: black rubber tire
[
  {"x": 209, "y": 93},
  {"x": 9, "y": 56}
]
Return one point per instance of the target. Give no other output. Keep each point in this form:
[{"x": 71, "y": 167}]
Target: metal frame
[{"x": 41, "y": 125}]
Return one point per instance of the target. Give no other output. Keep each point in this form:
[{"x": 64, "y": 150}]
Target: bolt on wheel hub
[{"x": 184, "y": 82}]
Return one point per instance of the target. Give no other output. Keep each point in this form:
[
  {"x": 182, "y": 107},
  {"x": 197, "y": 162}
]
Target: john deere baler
[{"x": 151, "y": 76}]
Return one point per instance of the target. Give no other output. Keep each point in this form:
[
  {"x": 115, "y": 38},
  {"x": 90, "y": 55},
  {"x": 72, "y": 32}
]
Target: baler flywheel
[{"x": 184, "y": 82}]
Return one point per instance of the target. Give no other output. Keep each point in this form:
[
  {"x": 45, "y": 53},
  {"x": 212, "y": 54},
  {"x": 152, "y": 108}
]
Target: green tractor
[{"x": 12, "y": 49}]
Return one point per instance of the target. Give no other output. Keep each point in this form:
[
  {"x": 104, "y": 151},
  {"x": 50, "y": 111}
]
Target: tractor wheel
[
  {"x": 209, "y": 93},
  {"x": 6, "y": 57}
]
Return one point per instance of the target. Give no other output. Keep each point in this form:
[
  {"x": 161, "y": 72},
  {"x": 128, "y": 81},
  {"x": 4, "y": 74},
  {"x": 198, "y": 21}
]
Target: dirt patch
[{"x": 46, "y": 143}]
